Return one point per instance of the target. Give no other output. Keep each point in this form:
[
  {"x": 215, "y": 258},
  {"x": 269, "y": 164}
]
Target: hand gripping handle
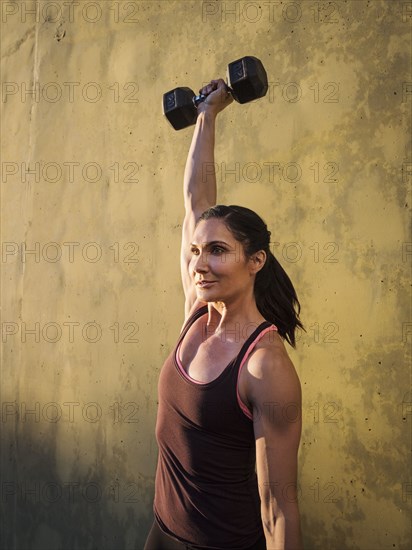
[{"x": 201, "y": 97}]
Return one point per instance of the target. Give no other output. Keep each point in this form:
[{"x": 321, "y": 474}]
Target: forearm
[
  {"x": 283, "y": 531},
  {"x": 199, "y": 184}
]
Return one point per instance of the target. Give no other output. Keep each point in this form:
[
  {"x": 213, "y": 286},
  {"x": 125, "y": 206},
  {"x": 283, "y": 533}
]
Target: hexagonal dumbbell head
[
  {"x": 247, "y": 79},
  {"x": 179, "y": 108}
]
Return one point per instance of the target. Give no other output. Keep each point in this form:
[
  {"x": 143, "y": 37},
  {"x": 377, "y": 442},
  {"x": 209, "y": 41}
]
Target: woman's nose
[{"x": 201, "y": 262}]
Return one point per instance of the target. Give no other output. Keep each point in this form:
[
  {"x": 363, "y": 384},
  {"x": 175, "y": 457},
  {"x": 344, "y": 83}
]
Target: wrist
[
  {"x": 206, "y": 112},
  {"x": 206, "y": 116}
]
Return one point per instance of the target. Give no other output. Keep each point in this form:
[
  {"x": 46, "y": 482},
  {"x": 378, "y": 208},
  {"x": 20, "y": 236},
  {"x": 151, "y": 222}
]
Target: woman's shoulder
[
  {"x": 269, "y": 354},
  {"x": 270, "y": 373}
]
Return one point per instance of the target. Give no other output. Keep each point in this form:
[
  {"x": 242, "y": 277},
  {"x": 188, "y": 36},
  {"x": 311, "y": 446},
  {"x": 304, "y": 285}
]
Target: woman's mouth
[{"x": 205, "y": 284}]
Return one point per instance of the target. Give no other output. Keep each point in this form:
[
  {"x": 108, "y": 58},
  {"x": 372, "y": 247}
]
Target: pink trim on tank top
[
  {"x": 244, "y": 408},
  {"x": 183, "y": 370}
]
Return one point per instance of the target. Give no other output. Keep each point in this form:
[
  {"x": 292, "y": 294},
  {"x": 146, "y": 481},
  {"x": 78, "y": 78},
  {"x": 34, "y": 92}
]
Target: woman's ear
[{"x": 257, "y": 261}]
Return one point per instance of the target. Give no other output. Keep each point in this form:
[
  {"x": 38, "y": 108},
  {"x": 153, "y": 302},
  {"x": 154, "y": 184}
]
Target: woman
[{"x": 229, "y": 423}]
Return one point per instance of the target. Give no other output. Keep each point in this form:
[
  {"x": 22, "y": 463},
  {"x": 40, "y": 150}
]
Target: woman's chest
[{"x": 204, "y": 359}]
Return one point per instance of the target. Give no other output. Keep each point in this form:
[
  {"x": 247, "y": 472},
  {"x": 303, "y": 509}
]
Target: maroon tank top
[{"x": 206, "y": 491}]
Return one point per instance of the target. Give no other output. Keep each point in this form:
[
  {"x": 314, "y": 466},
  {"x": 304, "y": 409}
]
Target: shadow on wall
[{"x": 42, "y": 511}]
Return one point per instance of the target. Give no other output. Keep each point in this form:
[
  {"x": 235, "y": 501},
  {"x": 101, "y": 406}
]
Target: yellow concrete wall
[{"x": 91, "y": 185}]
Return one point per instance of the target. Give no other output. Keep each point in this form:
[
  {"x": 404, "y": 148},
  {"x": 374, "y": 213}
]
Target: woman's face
[{"x": 218, "y": 264}]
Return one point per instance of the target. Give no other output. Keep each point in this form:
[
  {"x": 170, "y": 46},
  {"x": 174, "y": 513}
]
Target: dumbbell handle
[{"x": 201, "y": 97}]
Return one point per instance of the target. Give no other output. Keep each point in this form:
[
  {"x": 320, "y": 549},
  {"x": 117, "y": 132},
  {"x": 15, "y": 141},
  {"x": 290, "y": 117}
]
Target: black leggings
[{"x": 157, "y": 540}]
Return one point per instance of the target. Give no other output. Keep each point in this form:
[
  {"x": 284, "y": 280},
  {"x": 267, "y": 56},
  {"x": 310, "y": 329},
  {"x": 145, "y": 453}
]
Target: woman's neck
[{"x": 233, "y": 319}]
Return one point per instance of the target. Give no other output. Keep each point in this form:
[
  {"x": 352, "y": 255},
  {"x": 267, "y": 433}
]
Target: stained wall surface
[{"x": 91, "y": 219}]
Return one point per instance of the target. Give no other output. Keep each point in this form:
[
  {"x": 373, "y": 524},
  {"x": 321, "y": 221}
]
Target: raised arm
[{"x": 199, "y": 183}]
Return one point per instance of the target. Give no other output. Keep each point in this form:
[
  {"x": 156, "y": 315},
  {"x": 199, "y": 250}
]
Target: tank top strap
[
  {"x": 253, "y": 339},
  {"x": 195, "y": 315}
]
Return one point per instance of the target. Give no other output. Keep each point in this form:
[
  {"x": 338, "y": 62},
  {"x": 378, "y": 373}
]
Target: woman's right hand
[{"x": 218, "y": 97}]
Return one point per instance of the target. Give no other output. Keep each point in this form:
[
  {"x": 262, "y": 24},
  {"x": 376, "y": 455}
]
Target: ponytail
[
  {"x": 276, "y": 298},
  {"x": 275, "y": 295}
]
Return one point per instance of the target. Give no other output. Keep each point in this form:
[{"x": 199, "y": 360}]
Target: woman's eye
[
  {"x": 218, "y": 250},
  {"x": 213, "y": 250}
]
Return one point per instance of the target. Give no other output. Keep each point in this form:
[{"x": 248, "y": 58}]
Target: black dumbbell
[{"x": 247, "y": 80}]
